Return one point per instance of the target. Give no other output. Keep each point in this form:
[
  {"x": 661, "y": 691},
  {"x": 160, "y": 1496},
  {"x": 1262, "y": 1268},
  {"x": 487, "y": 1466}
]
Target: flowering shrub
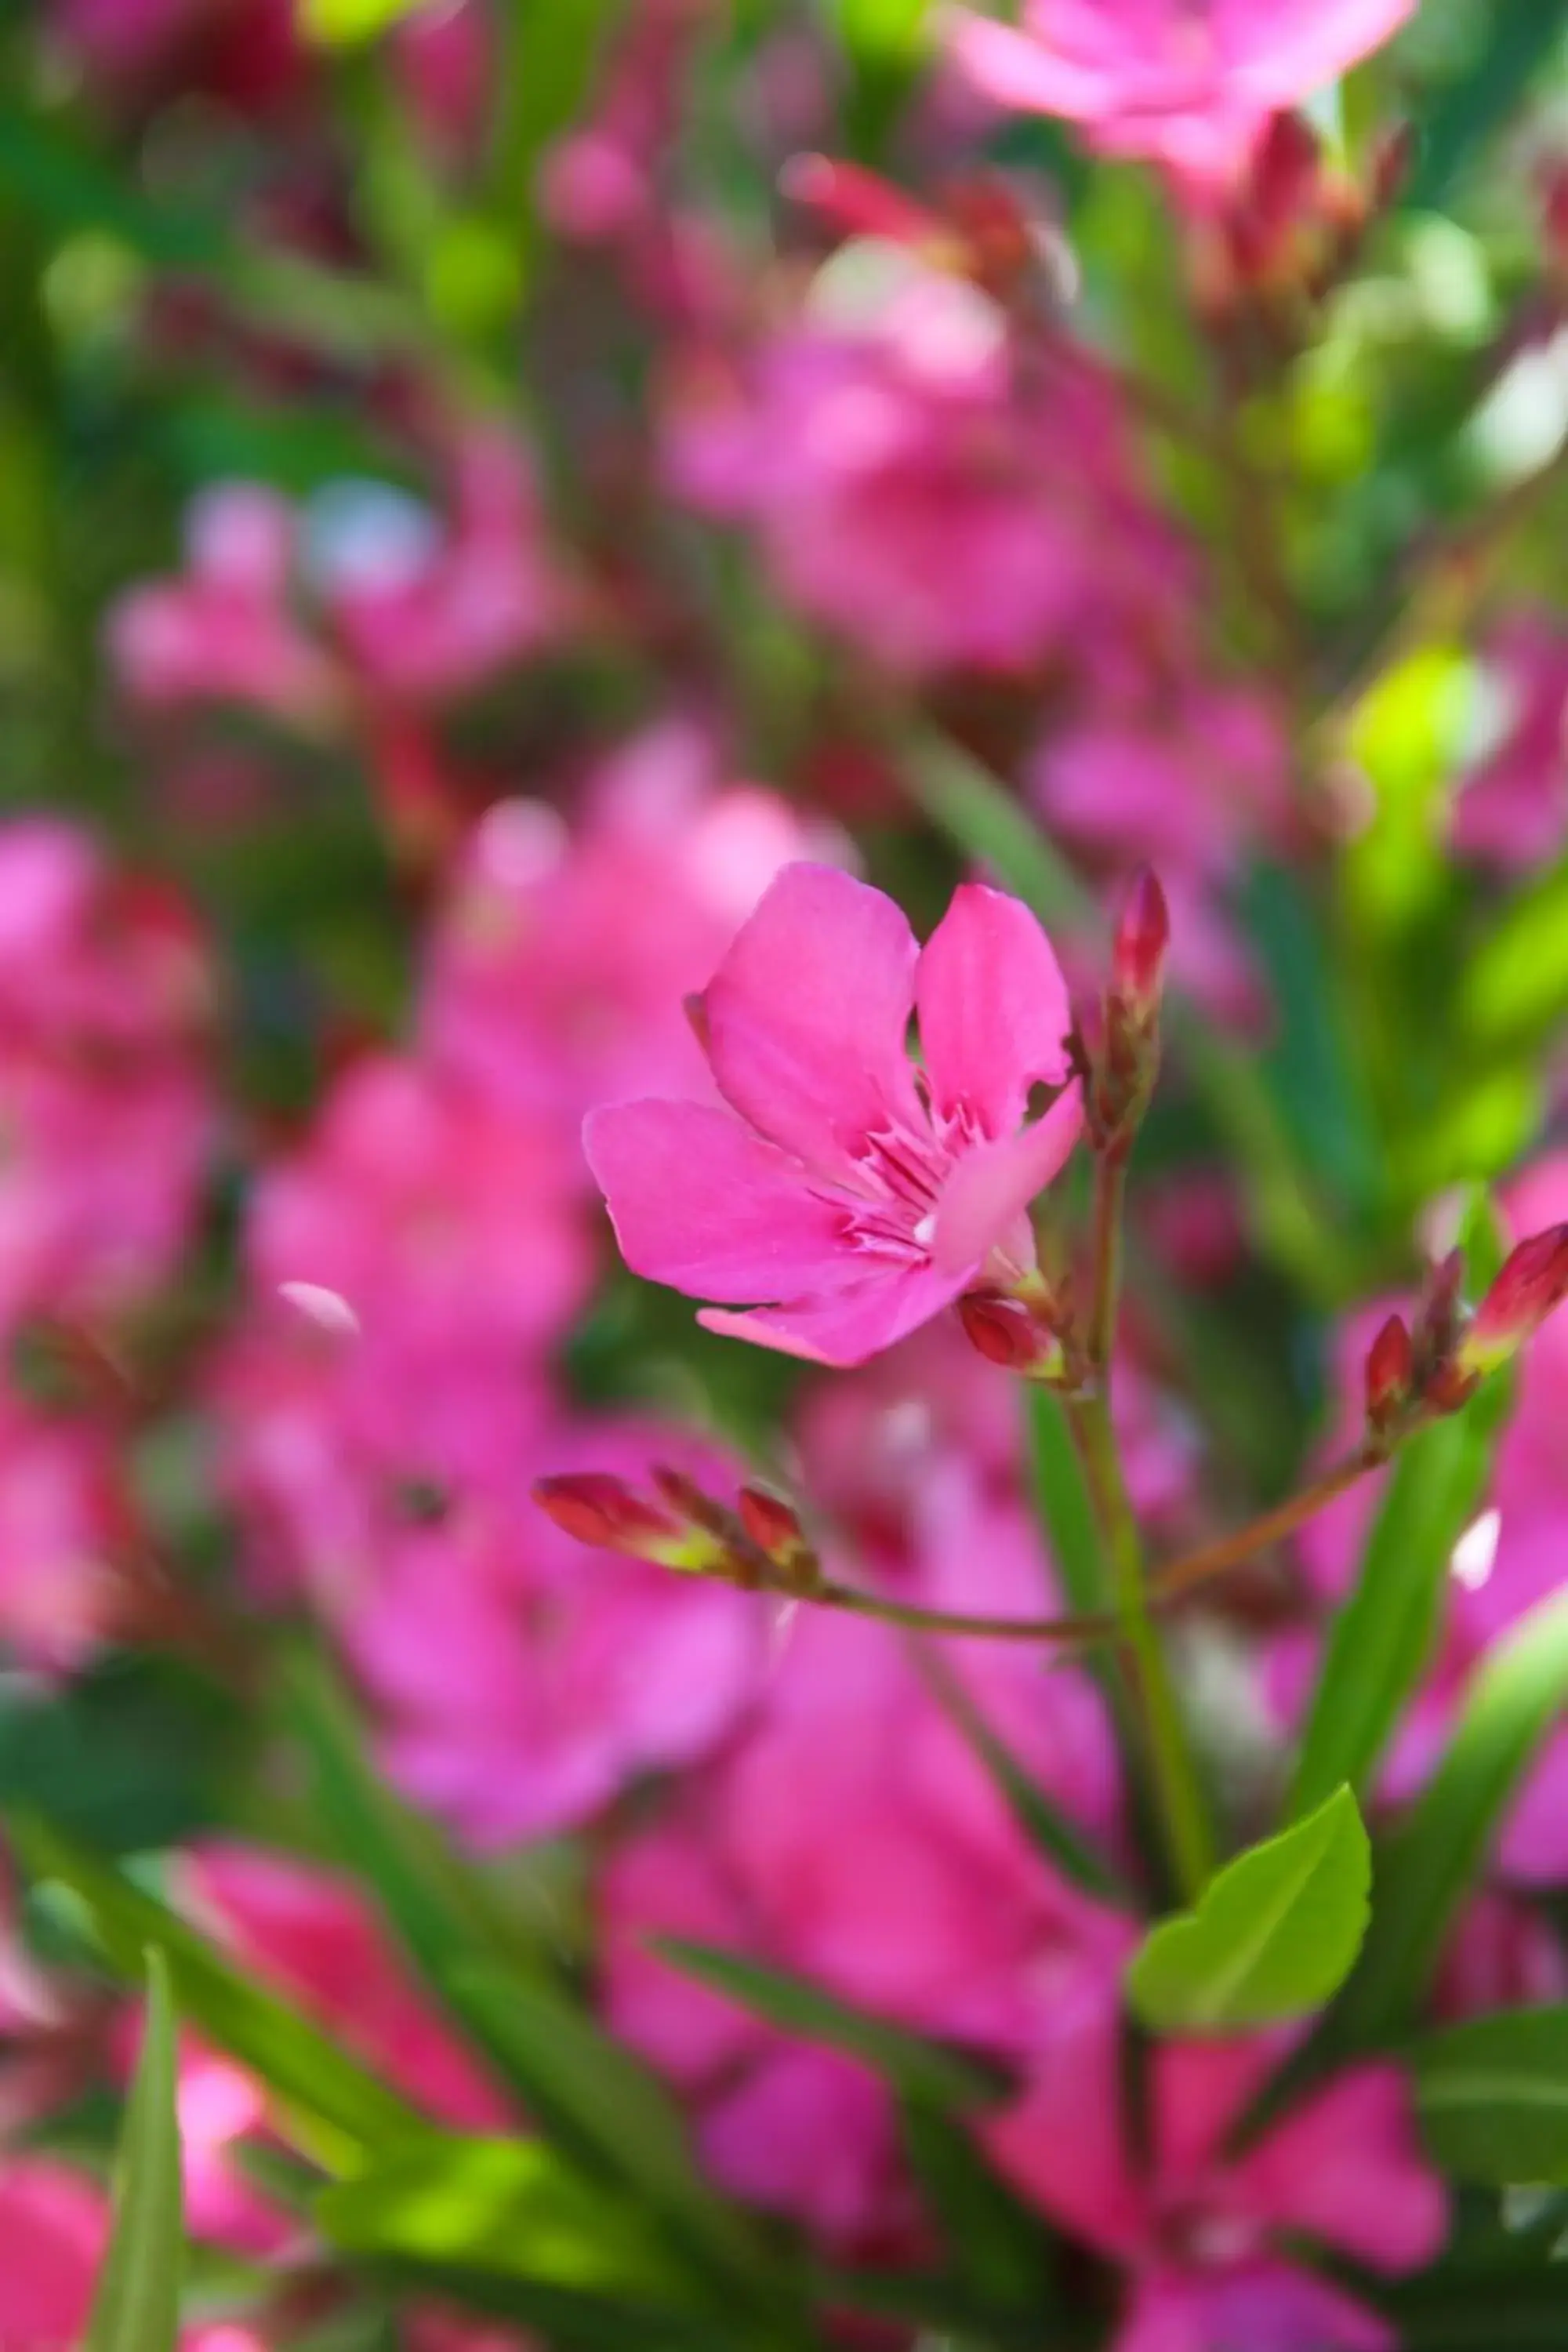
[{"x": 783, "y": 1176}]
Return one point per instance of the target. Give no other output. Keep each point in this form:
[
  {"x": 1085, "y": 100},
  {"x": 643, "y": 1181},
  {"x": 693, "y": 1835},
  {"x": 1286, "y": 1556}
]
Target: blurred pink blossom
[
  {"x": 921, "y": 490},
  {"x": 854, "y": 1195},
  {"x": 520, "y": 1687},
  {"x": 556, "y": 966},
  {"x": 107, "y": 1119},
  {"x": 1199, "y": 2232},
  {"x": 1512, "y": 807},
  {"x": 1191, "y": 85},
  {"x": 64, "y": 1529},
  {"x": 54, "y": 2227}
]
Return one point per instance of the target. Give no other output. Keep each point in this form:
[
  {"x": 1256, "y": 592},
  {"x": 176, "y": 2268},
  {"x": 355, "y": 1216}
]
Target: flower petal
[
  {"x": 1346, "y": 2168},
  {"x": 807, "y": 1014},
  {"x": 992, "y": 1006},
  {"x": 700, "y": 1202},
  {"x": 992, "y": 1186},
  {"x": 849, "y": 1328},
  {"x": 1019, "y": 71}
]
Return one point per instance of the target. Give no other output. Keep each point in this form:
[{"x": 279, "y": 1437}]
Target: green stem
[
  {"x": 1109, "y": 1194},
  {"x": 1173, "y": 1773},
  {"x": 1075, "y": 1632}
]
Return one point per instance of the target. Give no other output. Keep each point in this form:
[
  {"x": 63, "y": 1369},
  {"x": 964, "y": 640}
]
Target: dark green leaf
[
  {"x": 995, "y": 2246},
  {"x": 136, "y": 2307},
  {"x": 1273, "y": 1936},
  {"x": 923, "y": 2070},
  {"x": 1516, "y": 1697},
  {"x": 1518, "y": 37},
  {"x": 1493, "y": 2096}
]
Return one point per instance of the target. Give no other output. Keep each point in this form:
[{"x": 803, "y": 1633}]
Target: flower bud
[
  {"x": 1533, "y": 1281},
  {"x": 1390, "y": 1374},
  {"x": 852, "y": 202},
  {"x": 1142, "y": 943},
  {"x": 1005, "y": 1333},
  {"x": 771, "y": 1524},
  {"x": 602, "y": 1510}
]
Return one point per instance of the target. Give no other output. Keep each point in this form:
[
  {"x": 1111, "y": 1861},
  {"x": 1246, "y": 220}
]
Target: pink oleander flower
[
  {"x": 855, "y": 1193},
  {"x": 919, "y": 490},
  {"x": 519, "y": 1688},
  {"x": 105, "y": 1111},
  {"x": 1191, "y": 83},
  {"x": 560, "y": 955},
  {"x": 1207, "y": 2239},
  {"x": 409, "y": 1268},
  {"x": 64, "y": 1523},
  {"x": 54, "y": 2227},
  {"x": 226, "y": 629}
]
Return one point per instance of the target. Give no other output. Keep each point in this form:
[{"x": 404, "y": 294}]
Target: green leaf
[
  {"x": 1517, "y": 39},
  {"x": 1492, "y": 2095},
  {"x": 550, "y": 57},
  {"x": 514, "y": 2207},
  {"x": 1381, "y": 1640},
  {"x": 1516, "y": 1698},
  {"x": 1274, "y": 1934},
  {"x": 334, "y": 2108},
  {"x": 1514, "y": 989},
  {"x": 995, "y": 2244},
  {"x": 607, "y": 2109},
  {"x": 983, "y": 820},
  {"x": 917, "y": 2069},
  {"x": 136, "y": 2307},
  {"x": 441, "y": 1912},
  {"x": 1066, "y": 1515},
  {"x": 339, "y": 24}
]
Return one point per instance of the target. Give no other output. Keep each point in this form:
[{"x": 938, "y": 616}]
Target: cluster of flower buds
[
  {"x": 1436, "y": 1363},
  {"x": 759, "y": 1545},
  {"x": 980, "y": 228},
  {"x": 1121, "y": 1065},
  {"x": 1293, "y": 227}
]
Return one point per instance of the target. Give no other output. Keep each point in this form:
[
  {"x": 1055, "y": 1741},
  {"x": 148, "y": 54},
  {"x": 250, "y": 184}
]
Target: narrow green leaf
[
  {"x": 606, "y": 2108},
  {"x": 340, "y": 23},
  {"x": 569, "y": 2319},
  {"x": 1518, "y": 40},
  {"x": 1492, "y": 2095},
  {"x": 1274, "y": 1935},
  {"x": 512, "y": 2207},
  {"x": 983, "y": 820},
  {"x": 919, "y": 2069},
  {"x": 549, "y": 60},
  {"x": 1516, "y": 1697},
  {"x": 334, "y": 2108},
  {"x": 136, "y": 2307},
  {"x": 1381, "y": 1640},
  {"x": 994, "y": 2245}
]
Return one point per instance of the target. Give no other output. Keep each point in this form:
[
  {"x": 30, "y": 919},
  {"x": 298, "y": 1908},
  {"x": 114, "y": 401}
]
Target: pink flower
[
  {"x": 558, "y": 961},
  {"x": 1199, "y": 2230},
  {"x": 919, "y": 492},
  {"x": 224, "y": 630},
  {"x": 521, "y": 1688},
  {"x": 106, "y": 1117},
  {"x": 855, "y": 1194},
  {"x": 1192, "y": 86},
  {"x": 54, "y": 2227},
  {"x": 64, "y": 1522},
  {"x": 1512, "y": 807}
]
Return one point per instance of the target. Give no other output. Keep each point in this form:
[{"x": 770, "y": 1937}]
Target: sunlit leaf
[
  {"x": 136, "y": 2305},
  {"x": 1273, "y": 1936}
]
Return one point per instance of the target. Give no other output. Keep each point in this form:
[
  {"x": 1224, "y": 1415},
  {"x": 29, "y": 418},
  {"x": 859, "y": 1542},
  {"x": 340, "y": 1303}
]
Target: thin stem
[
  {"x": 1180, "y": 1576},
  {"x": 1110, "y": 1192},
  {"x": 1076, "y": 1632},
  {"x": 1173, "y": 1773}
]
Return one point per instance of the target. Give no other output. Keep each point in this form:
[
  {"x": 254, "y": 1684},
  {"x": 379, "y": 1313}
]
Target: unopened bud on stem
[
  {"x": 1390, "y": 1375},
  {"x": 1142, "y": 944},
  {"x": 1532, "y": 1282}
]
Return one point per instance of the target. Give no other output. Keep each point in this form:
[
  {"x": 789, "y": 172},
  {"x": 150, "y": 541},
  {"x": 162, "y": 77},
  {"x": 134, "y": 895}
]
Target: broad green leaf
[
  {"x": 919, "y": 2069},
  {"x": 136, "y": 2307},
  {"x": 1063, "y": 1845},
  {"x": 339, "y": 24},
  {"x": 1273, "y": 1936},
  {"x": 514, "y": 2207},
  {"x": 606, "y": 2110},
  {"x": 1493, "y": 2096},
  {"x": 1517, "y": 1696},
  {"x": 1381, "y": 1640},
  {"x": 333, "y": 2108}
]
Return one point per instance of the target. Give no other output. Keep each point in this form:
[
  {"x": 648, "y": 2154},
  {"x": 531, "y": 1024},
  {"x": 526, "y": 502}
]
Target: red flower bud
[
  {"x": 1142, "y": 943},
  {"x": 1533, "y": 1281},
  {"x": 773, "y": 1526},
  {"x": 1284, "y": 175},
  {"x": 1005, "y": 1333},
  {"x": 602, "y": 1510},
  {"x": 686, "y": 1498},
  {"x": 1390, "y": 1373}
]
